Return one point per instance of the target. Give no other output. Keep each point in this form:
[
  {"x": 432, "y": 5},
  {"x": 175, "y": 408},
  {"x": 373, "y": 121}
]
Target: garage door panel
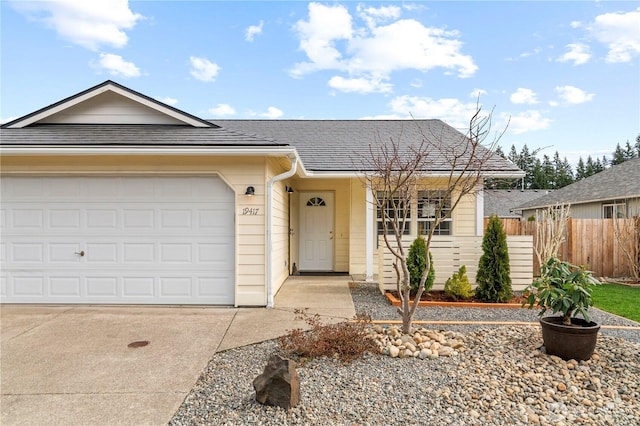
[
  {"x": 66, "y": 219},
  {"x": 102, "y": 287},
  {"x": 143, "y": 239},
  {"x": 27, "y": 253},
  {"x": 175, "y": 219},
  {"x": 143, "y": 219},
  {"x": 102, "y": 219},
  {"x": 64, "y": 252},
  {"x": 176, "y": 253},
  {"x": 102, "y": 252},
  {"x": 65, "y": 287},
  {"x": 28, "y": 286}
]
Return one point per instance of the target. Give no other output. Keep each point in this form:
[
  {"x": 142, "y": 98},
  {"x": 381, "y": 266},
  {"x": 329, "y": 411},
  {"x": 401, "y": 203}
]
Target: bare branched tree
[
  {"x": 551, "y": 229},
  {"x": 395, "y": 170},
  {"x": 627, "y": 236}
]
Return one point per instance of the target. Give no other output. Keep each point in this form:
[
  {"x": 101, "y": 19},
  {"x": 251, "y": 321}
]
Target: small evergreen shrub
[
  {"x": 416, "y": 263},
  {"x": 458, "y": 286},
  {"x": 493, "y": 277}
]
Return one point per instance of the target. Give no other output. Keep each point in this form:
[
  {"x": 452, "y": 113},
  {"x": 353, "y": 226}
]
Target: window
[
  {"x": 390, "y": 207},
  {"x": 611, "y": 211},
  {"x": 316, "y": 202},
  {"x": 432, "y": 204}
]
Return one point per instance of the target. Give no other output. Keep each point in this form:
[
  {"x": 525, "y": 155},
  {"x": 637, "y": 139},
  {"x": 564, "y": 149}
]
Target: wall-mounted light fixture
[
  {"x": 289, "y": 189},
  {"x": 251, "y": 191}
]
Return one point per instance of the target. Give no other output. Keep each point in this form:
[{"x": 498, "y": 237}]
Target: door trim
[{"x": 304, "y": 197}]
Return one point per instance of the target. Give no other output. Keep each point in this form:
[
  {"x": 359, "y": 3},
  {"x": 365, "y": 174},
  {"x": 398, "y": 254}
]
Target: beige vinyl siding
[
  {"x": 238, "y": 172},
  {"x": 280, "y": 227},
  {"x": 109, "y": 108},
  {"x": 464, "y": 216},
  {"x": 357, "y": 240}
]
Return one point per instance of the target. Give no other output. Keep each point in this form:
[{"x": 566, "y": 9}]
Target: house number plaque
[{"x": 250, "y": 211}]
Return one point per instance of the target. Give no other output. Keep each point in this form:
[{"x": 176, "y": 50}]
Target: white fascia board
[{"x": 291, "y": 153}]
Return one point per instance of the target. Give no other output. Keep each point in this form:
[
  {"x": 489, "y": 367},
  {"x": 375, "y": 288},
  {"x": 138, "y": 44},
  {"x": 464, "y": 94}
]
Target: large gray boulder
[{"x": 279, "y": 384}]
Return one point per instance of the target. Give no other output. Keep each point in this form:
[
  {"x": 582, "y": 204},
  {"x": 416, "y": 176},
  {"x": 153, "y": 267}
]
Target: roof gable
[{"x": 108, "y": 103}]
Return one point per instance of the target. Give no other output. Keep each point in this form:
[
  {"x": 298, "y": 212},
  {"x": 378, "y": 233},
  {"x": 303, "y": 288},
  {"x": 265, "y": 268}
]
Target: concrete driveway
[{"x": 73, "y": 365}]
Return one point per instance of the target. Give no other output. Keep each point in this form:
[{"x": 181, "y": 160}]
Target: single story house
[
  {"x": 612, "y": 193},
  {"x": 112, "y": 197}
]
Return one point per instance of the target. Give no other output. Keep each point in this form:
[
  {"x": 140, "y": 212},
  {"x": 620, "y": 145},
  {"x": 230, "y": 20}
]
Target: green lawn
[{"x": 618, "y": 299}]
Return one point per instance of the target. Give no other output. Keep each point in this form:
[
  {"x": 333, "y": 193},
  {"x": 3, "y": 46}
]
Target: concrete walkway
[{"x": 72, "y": 365}]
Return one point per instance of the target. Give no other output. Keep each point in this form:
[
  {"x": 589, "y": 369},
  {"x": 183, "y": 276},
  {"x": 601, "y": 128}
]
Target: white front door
[
  {"x": 117, "y": 239},
  {"x": 316, "y": 231}
]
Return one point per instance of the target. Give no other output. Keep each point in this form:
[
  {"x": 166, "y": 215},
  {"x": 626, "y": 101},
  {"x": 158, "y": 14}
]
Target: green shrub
[
  {"x": 416, "y": 263},
  {"x": 458, "y": 286},
  {"x": 493, "y": 277}
]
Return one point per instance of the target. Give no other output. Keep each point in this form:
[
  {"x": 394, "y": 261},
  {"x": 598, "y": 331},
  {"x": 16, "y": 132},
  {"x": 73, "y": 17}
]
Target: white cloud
[
  {"x": 526, "y": 122},
  {"x": 272, "y": 112},
  {"x": 620, "y": 32},
  {"x": 575, "y": 24},
  {"x": 573, "y": 95},
  {"x": 359, "y": 85},
  {"x": 253, "y": 31},
  {"x": 326, "y": 25},
  {"x": 578, "y": 53},
  {"x": 168, "y": 100},
  {"x": 524, "y": 96},
  {"x": 476, "y": 93},
  {"x": 117, "y": 66},
  {"x": 371, "y": 52},
  {"x": 203, "y": 69},
  {"x": 222, "y": 110},
  {"x": 373, "y": 15},
  {"x": 416, "y": 82},
  {"x": 90, "y": 24},
  {"x": 453, "y": 111}
]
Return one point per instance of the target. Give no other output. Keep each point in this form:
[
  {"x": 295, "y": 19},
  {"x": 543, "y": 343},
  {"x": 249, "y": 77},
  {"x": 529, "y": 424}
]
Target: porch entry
[{"x": 316, "y": 231}]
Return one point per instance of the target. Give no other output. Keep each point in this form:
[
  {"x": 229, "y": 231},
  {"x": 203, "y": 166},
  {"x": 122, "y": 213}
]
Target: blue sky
[{"x": 566, "y": 74}]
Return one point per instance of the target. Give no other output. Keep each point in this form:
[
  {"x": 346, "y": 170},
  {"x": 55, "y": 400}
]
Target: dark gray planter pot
[{"x": 576, "y": 341}]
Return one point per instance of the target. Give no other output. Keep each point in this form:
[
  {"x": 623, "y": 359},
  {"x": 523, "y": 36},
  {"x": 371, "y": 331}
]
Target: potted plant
[{"x": 566, "y": 289}]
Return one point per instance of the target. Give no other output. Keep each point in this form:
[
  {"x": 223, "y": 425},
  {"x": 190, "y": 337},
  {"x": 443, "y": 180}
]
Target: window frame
[{"x": 424, "y": 220}]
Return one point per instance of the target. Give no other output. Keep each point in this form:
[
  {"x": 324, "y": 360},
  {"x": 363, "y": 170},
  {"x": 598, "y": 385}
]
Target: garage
[{"x": 118, "y": 240}]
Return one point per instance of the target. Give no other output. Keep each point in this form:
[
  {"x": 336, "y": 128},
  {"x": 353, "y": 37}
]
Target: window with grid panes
[
  {"x": 391, "y": 206},
  {"x": 432, "y": 204}
]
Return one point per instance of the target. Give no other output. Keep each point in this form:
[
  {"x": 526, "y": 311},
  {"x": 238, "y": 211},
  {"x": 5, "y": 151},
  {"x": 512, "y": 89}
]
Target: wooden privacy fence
[
  {"x": 589, "y": 242},
  {"x": 449, "y": 253}
]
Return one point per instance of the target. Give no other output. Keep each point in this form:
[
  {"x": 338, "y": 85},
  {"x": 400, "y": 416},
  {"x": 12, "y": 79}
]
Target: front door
[{"x": 316, "y": 231}]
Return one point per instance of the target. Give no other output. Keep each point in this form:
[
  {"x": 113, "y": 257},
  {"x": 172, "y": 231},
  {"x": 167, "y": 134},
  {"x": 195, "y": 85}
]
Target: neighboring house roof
[
  {"x": 617, "y": 182},
  {"x": 501, "y": 202},
  {"x": 337, "y": 145}
]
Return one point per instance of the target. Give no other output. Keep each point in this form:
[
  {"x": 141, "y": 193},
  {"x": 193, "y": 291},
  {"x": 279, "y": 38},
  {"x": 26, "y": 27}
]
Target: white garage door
[{"x": 137, "y": 240}]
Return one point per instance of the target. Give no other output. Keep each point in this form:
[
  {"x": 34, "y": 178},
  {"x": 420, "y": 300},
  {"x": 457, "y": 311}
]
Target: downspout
[{"x": 277, "y": 178}]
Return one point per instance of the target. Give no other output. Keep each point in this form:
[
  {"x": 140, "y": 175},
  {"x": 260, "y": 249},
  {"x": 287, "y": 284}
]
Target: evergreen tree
[
  {"x": 580, "y": 170},
  {"x": 562, "y": 172},
  {"x": 638, "y": 146},
  {"x": 629, "y": 152},
  {"x": 618, "y": 156},
  {"x": 493, "y": 276}
]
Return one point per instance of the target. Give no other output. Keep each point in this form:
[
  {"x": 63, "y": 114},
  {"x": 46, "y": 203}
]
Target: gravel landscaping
[{"x": 499, "y": 377}]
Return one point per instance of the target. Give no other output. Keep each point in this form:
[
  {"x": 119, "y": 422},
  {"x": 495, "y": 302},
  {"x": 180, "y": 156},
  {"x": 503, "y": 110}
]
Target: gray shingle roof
[
  {"x": 128, "y": 134},
  {"x": 617, "y": 182},
  {"x": 336, "y": 145},
  {"x": 501, "y": 202}
]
